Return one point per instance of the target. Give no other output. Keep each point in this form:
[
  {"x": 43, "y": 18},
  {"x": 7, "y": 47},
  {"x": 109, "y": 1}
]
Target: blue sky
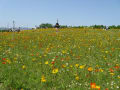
[{"x": 28, "y": 13}]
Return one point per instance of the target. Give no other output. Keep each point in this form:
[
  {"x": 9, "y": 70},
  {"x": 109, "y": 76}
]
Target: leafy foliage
[{"x": 45, "y": 25}]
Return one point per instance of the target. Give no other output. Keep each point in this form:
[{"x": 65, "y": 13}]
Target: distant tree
[
  {"x": 45, "y": 25},
  {"x": 4, "y": 30},
  {"x": 113, "y": 27},
  {"x": 118, "y": 27},
  {"x": 75, "y": 26},
  {"x": 82, "y": 26},
  {"x": 98, "y": 26},
  {"x": 63, "y": 26}
]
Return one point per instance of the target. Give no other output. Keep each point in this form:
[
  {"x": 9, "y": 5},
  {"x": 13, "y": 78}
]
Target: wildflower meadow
[{"x": 69, "y": 59}]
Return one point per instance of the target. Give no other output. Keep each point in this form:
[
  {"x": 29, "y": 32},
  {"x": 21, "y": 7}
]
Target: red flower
[
  {"x": 56, "y": 56},
  {"x": 53, "y": 62},
  {"x": 3, "y": 62},
  {"x": 3, "y": 58}
]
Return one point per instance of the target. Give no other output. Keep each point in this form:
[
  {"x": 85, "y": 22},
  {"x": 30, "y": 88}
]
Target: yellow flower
[
  {"x": 82, "y": 66},
  {"x": 63, "y": 51},
  {"x": 54, "y": 71},
  {"x": 77, "y": 77},
  {"x": 63, "y": 65},
  {"x": 23, "y": 67},
  {"x": 112, "y": 74},
  {"x": 71, "y": 66},
  {"x": 106, "y": 51},
  {"x": 45, "y": 55},
  {"x": 105, "y": 58},
  {"x": 43, "y": 79},
  {"x": 90, "y": 69},
  {"x": 101, "y": 70},
  {"x": 98, "y": 87},
  {"x": 33, "y": 59},
  {"x": 15, "y": 58},
  {"x": 46, "y": 62},
  {"x": 119, "y": 77},
  {"x": 77, "y": 65},
  {"x": 97, "y": 65}
]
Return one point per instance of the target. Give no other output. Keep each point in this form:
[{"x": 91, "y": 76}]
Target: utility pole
[
  {"x": 57, "y": 20},
  {"x": 13, "y": 29}
]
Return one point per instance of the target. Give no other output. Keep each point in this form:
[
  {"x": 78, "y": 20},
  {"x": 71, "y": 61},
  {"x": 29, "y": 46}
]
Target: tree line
[{"x": 48, "y": 25}]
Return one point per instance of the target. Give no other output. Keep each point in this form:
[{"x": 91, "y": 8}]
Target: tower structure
[{"x": 57, "y": 24}]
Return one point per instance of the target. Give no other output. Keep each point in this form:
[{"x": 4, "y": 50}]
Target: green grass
[{"x": 24, "y": 57}]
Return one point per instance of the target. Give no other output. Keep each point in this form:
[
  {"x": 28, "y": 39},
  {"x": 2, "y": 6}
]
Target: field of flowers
[{"x": 69, "y": 59}]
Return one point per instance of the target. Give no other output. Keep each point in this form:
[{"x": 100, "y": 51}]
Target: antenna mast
[
  {"x": 57, "y": 20},
  {"x": 13, "y": 26}
]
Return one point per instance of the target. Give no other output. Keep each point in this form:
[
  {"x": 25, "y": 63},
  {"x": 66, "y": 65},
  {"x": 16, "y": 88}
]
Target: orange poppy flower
[
  {"x": 93, "y": 85},
  {"x": 90, "y": 69},
  {"x": 111, "y": 70},
  {"x": 116, "y": 67}
]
